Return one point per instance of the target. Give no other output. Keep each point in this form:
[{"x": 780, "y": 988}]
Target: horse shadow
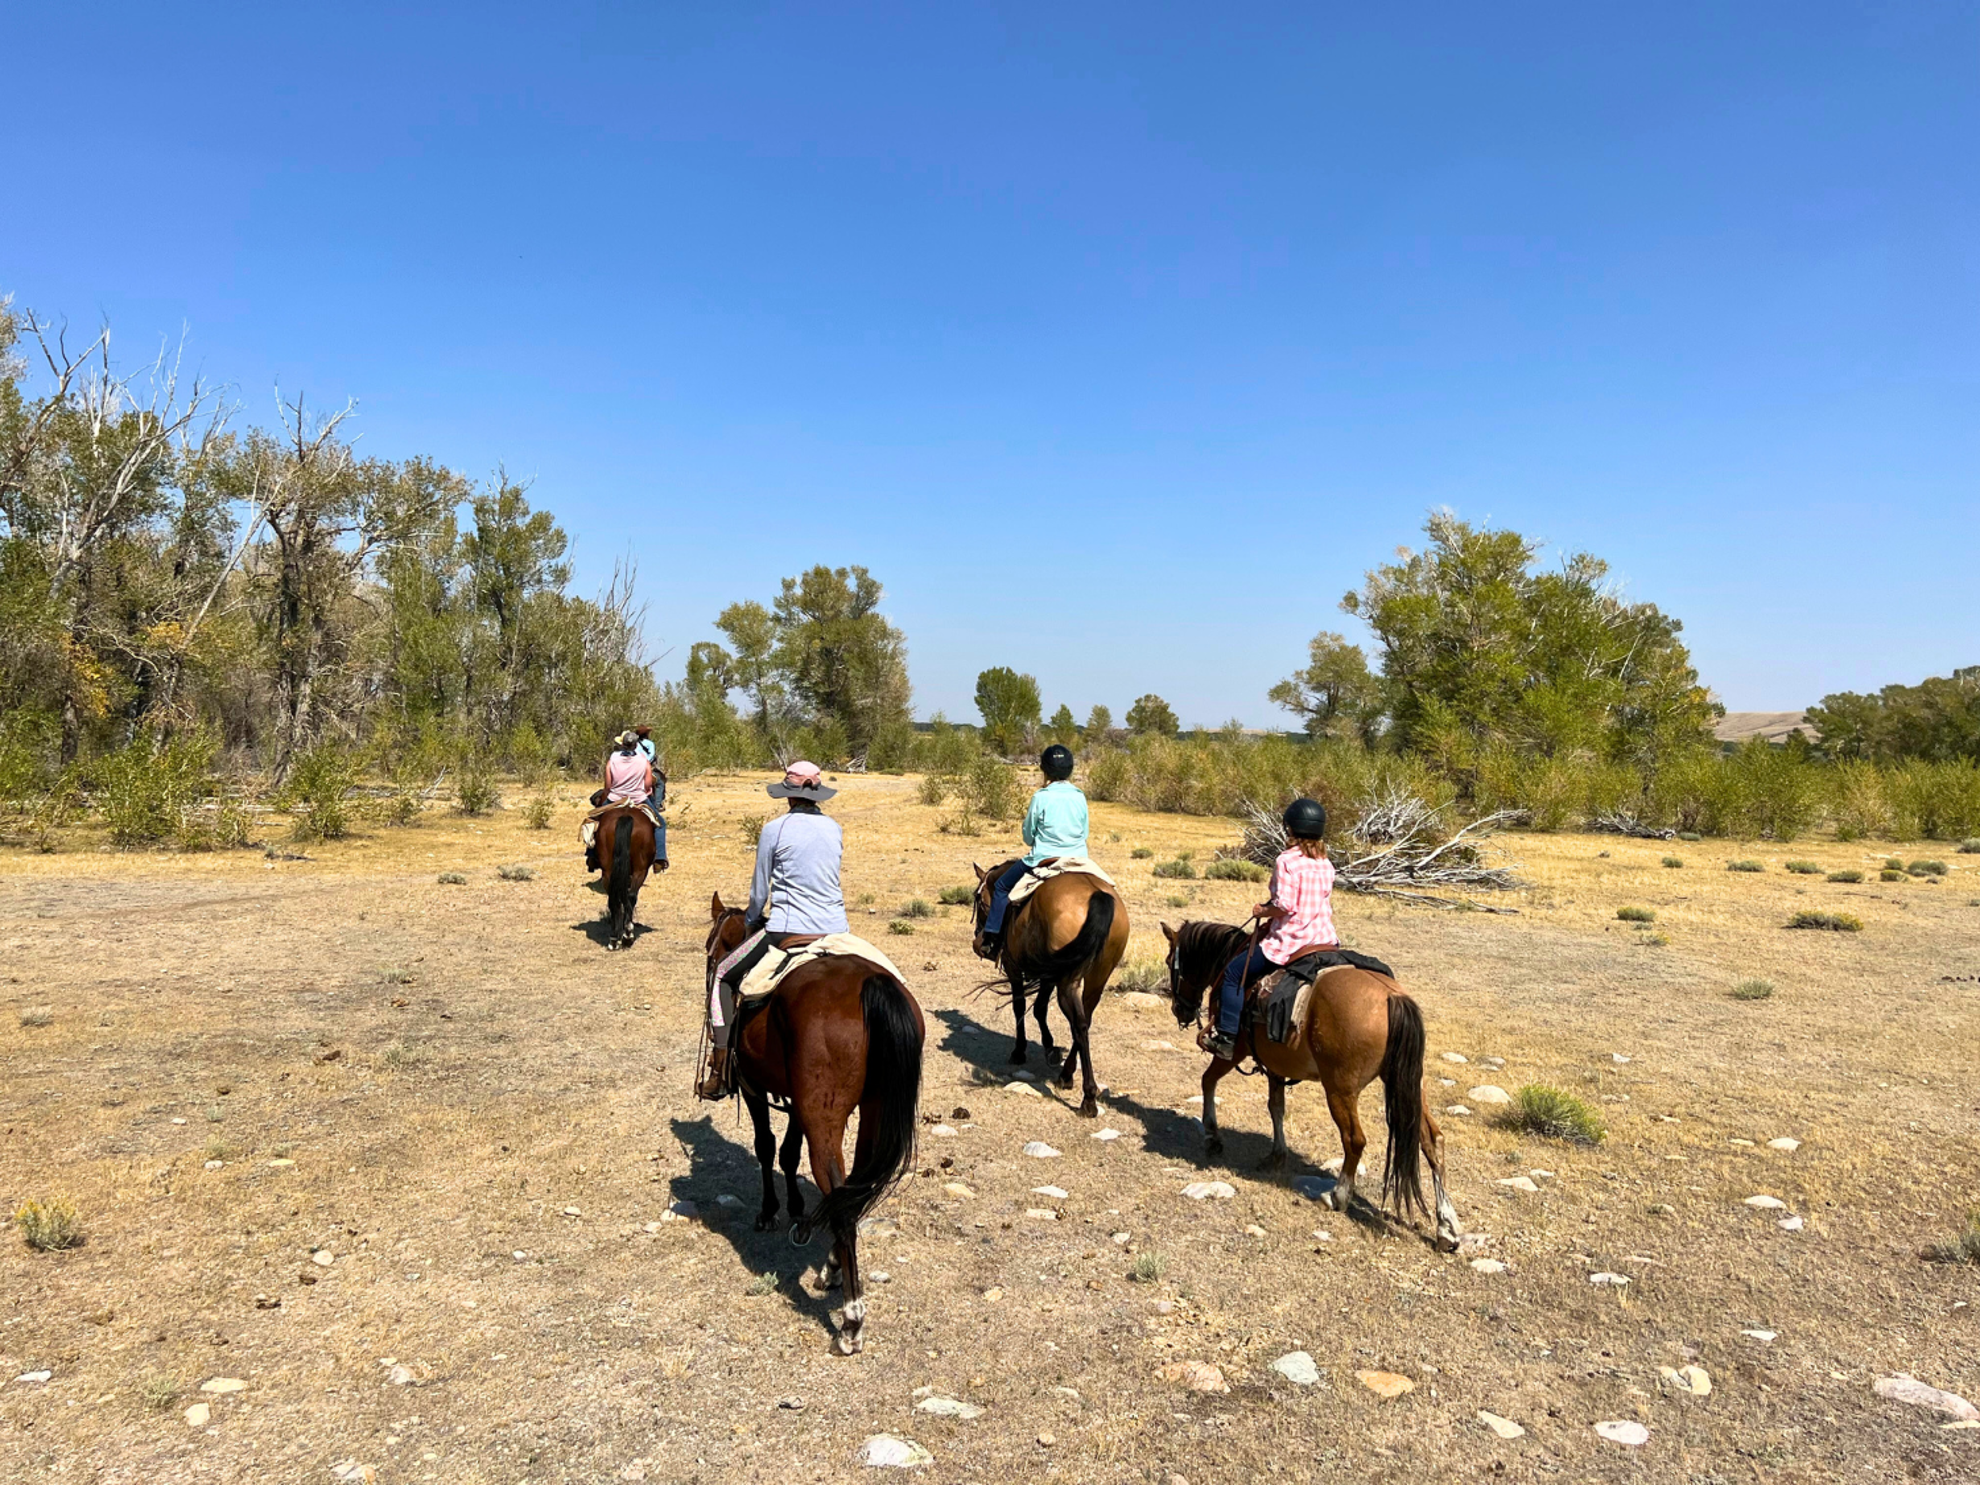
[
  {"x": 598, "y": 930},
  {"x": 719, "y": 1165}
]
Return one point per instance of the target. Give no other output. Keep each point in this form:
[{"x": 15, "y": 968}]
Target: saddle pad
[
  {"x": 774, "y": 965},
  {"x": 588, "y": 828},
  {"x": 1308, "y": 966},
  {"x": 1032, "y": 880},
  {"x": 1279, "y": 1004}
]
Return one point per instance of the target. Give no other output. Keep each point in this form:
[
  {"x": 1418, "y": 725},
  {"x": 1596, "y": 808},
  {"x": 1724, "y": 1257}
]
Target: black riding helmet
[
  {"x": 1057, "y": 762},
  {"x": 1305, "y": 819}
]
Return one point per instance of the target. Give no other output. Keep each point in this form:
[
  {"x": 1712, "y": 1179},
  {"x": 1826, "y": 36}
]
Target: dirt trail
[{"x": 482, "y": 1119}]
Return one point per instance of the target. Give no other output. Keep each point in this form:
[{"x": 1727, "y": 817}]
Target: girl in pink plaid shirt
[{"x": 1300, "y": 913}]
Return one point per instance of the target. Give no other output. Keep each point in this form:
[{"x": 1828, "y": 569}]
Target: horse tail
[
  {"x": 1402, "y": 1105},
  {"x": 1084, "y": 948},
  {"x": 887, "y": 1110},
  {"x": 621, "y": 882}
]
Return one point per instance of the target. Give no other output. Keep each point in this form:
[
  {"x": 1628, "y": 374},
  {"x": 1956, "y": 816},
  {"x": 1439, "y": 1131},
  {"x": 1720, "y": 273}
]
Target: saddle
[
  {"x": 1054, "y": 866},
  {"x": 1274, "y": 1000}
]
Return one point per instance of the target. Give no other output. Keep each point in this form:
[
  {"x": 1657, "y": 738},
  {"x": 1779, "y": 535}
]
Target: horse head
[
  {"x": 727, "y": 928},
  {"x": 1193, "y": 963}
]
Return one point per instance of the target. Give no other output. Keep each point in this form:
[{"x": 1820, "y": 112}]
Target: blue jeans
[
  {"x": 1243, "y": 972},
  {"x": 1000, "y": 897}
]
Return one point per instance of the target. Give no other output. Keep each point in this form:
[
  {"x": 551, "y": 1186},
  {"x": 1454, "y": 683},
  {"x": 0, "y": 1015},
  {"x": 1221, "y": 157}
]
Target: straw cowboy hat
[{"x": 802, "y": 781}]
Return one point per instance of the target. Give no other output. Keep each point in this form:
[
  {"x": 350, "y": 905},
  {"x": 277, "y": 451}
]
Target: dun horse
[
  {"x": 1358, "y": 1026},
  {"x": 835, "y": 1035},
  {"x": 626, "y": 848},
  {"x": 1073, "y": 928}
]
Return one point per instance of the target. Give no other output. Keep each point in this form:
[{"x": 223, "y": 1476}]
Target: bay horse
[
  {"x": 626, "y": 850},
  {"x": 1073, "y": 927},
  {"x": 836, "y": 1034},
  {"x": 1358, "y": 1026}
]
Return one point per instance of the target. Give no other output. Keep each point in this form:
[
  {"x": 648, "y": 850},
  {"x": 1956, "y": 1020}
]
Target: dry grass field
[{"x": 395, "y": 1155}]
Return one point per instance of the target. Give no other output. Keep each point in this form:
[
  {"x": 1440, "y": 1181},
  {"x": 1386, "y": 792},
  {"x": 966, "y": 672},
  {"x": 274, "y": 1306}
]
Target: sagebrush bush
[
  {"x": 1229, "y": 870},
  {"x": 1927, "y": 869},
  {"x": 1889, "y": 874},
  {"x": 37, "y": 1016},
  {"x": 917, "y": 907},
  {"x": 901, "y": 927},
  {"x": 1674, "y": 863},
  {"x": 1834, "y": 922},
  {"x": 1147, "y": 1268},
  {"x": 752, "y": 828},
  {"x": 1142, "y": 853},
  {"x": 475, "y": 790},
  {"x": 516, "y": 873},
  {"x": 1690, "y": 835},
  {"x": 148, "y": 793},
  {"x": 1637, "y": 914},
  {"x": 1970, "y": 847},
  {"x": 1802, "y": 868},
  {"x": 931, "y": 790},
  {"x": 538, "y": 813},
  {"x": 956, "y": 896},
  {"x": 1178, "y": 870},
  {"x": 1753, "y": 990},
  {"x": 1846, "y": 875},
  {"x": 1963, "y": 1249},
  {"x": 49, "y": 1226},
  {"x": 1747, "y": 865},
  {"x": 1148, "y": 975},
  {"x": 1554, "y": 1114},
  {"x": 453, "y": 879}
]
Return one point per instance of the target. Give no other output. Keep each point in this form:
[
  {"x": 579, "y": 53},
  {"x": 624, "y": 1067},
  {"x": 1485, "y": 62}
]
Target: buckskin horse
[
  {"x": 1073, "y": 927},
  {"x": 836, "y": 1034},
  {"x": 626, "y": 849},
  {"x": 1358, "y": 1026}
]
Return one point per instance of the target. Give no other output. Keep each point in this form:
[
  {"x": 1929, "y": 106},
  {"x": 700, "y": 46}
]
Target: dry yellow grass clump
[{"x": 398, "y": 1155}]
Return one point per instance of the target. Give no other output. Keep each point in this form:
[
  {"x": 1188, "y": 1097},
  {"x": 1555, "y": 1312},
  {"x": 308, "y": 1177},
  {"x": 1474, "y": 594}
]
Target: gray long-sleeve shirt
[{"x": 797, "y": 875}]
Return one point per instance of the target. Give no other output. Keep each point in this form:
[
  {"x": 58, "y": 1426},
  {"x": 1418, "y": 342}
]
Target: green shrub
[
  {"x": 932, "y": 789},
  {"x": 1893, "y": 863},
  {"x": 1554, "y": 1114},
  {"x": 752, "y": 828},
  {"x": 1147, "y": 1268},
  {"x": 1834, "y": 922},
  {"x": 37, "y": 1016},
  {"x": 317, "y": 792},
  {"x": 1674, "y": 863},
  {"x": 956, "y": 896},
  {"x": 1964, "y": 1249},
  {"x": 474, "y": 785},
  {"x": 1753, "y": 990},
  {"x": 1637, "y": 914},
  {"x": 158, "y": 1392},
  {"x": 1927, "y": 868},
  {"x": 1142, "y": 853},
  {"x": 1850, "y": 875},
  {"x": 1970, "y": 847},
  {"x": 1690, "y": 835},
  {"x": 1175, "y": 900},
  {"x": 1934, "y": 801},
  {"x": 1178, "y": 870},
  {"x": 453, "y": 879},
  {"x": 49, "y": 1226},
  {"x": 1888, "y": 875},
  {"x": 1857, "y": 802},
  {"x": 1235, "y": 871},
  {"x": 516, "y": 873},
  {"x": 1745, "y": 866},
  {"x": 901, "y": 927},
  {"x": 148, "y": 793},
  {"x": 1802, "y": 868},
  {"x": 538, "y": 812},
  {"x": 917, "y": 908}
]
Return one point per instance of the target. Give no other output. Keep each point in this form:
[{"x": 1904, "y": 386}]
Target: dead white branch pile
[
  {"x": 1621, "y": 822},
  {"x": 1401, "y": 847}
]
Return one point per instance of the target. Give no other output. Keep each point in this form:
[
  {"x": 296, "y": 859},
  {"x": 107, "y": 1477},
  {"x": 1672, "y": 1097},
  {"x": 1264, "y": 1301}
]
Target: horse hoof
[
  {"x": 844, "y": 1345},
  {"x": 1088, "y": 1110},
  {"x": 1017, "y": 1056},
  {"x": 1213, "y": 1146}
]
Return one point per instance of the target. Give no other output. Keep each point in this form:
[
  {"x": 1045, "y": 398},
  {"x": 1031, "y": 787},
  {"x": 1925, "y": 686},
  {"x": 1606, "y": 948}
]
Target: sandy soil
[{"x": 480, "y": 1118}]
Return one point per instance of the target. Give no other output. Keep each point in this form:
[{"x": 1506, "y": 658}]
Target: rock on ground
[
  {"x": 1623, "y": 1431},
  {"x": 1505, "y": 1428},
  {"x": 1488, "y": 1093},
  {"x": 1297, "y": 1367},
  {"x": 1197, "y": 1376},
  {"x": 1905, "y": 1388},
  {"x": 1198, "y": 1190},
  {"x": 883, "y": 1450},
  {"x": 1385, "y": 1384},
  {"x": 1039, "y": 1150}
]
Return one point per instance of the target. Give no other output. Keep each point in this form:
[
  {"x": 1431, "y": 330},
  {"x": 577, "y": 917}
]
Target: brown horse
[
  {"x": 836, "y": 1034},
  {"x": 626, "y": 850},
  {"x": 1358, "y": 1026},
  {"x": 1073, "y": 927}
]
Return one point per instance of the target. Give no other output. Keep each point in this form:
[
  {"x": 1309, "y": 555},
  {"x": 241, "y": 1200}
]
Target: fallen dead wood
[{"x": 1403, "y": 848}]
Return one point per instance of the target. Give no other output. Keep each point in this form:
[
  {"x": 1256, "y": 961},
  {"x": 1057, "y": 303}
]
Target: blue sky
[{"x": 1116, "y": 340}]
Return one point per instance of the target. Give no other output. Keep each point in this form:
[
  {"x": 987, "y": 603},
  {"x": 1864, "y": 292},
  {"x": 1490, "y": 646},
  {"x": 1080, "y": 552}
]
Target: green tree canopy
[
  {"x": 1938, "y": 720},
  {"x": 1009, "y": 705},
  {"x": 1151, "y": 715},
  {"x": 1099, "y": 722},
  {"x": 1063, "y": 726},
  {"x": 1336, "y": 693},
  {"x": 1480, "y": 649}
]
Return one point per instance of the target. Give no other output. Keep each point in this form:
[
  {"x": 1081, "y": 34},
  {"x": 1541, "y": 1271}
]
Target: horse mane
[{"x": 1209, "y": 946}]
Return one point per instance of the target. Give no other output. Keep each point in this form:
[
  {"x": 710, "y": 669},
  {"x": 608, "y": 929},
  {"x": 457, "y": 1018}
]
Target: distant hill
[{"x": 1737, "y": 727}]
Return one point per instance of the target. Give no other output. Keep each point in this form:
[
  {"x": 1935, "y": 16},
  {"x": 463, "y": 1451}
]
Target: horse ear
[
  {"x": 978, "y": 870},
  {"x": 715, "y": 909},
  {"x": 1168, "y": 933}
]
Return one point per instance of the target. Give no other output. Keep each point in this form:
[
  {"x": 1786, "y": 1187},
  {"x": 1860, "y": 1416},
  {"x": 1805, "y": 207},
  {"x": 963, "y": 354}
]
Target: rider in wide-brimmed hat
[{"x": 794, "y": 897}]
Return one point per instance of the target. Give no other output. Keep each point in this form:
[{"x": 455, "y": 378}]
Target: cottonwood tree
[
  {"x": 1152, "y": 716},
  {"x": 1937, "y": 720},
  {"x": 1479, "y": 649},
  {"x": 1336, "y": 693},
  {"x": 1010, "y": 708}
]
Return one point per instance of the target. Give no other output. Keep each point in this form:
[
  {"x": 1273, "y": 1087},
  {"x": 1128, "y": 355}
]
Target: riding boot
[
  {"x": 715, "y": 1087},
  {"x": 990, "y": 946}
]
